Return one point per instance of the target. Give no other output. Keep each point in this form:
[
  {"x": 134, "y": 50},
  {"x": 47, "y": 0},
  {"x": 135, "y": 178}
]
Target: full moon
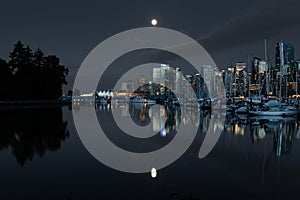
[{"x": 154, "y": 22}]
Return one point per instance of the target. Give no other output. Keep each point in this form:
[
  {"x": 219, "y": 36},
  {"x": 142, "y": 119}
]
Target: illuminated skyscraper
[
  {"x": 164, "y": 76},
  {"x": 209, "y": 79},
  {"x": 160, "y": 74},
  {"x": 288, "y": 55}
]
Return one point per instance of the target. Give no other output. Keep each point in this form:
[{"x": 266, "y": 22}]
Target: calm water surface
[{"x": 42, "y": 157}]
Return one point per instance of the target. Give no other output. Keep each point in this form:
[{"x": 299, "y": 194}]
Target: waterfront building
[
  {"x": 127, "y": 87},
  {"x": 227, "y": 76},
  {"x": 288, "y": 54},
  {"x": 164, "y": 76},
  {"x": 209, "y": 80},
  {"x": 240, "y": 82}
]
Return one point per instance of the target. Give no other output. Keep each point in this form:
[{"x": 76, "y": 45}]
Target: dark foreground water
[{"x": 42, "y": 157}]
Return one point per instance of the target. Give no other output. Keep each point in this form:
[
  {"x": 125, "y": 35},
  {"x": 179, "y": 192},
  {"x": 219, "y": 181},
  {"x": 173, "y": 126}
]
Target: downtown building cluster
[
  {"x": 256, "y": 78},
  {"x": 260, "y": 78}
]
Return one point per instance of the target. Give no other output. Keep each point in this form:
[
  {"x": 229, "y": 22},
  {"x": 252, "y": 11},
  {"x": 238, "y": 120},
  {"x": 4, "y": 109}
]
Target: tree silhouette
[
  {"x": 38, "y": 58},
  {"x": 5, "y": 77},
  {"x": 31, "y": 75},
  {"x": 17, "y": 57}
]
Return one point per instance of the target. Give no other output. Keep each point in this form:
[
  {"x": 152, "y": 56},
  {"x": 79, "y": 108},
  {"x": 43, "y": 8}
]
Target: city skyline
[
  {"x": 233, "y": 30},
  {"x": 130, "y": 99},
  {"x": 253, "y": 66}
]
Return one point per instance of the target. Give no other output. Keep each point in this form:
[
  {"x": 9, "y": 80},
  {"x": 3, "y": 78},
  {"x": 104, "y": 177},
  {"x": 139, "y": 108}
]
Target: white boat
[
  {"x": 150, "y": 101},
  {"x": 272, "y": 117},
  {"x": 279, "y": 111},
  {"x": 142, "y": 100},
  {"x": 137, "y": 100},
  {"x": 273, "y": 113},
  {"x": 272, "y": 103},
  {"x": 242, "y": 110}
]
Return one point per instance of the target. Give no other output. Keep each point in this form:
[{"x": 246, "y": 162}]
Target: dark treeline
[{"x": 30, "y": 75}]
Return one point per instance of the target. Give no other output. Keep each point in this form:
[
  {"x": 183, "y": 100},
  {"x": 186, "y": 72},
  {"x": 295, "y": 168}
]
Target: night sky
[{"x": 229, "y": 30}]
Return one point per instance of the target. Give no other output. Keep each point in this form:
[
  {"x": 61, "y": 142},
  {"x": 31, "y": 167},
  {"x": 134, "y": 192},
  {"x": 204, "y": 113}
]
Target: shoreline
[{"x": 8, "y": 104}]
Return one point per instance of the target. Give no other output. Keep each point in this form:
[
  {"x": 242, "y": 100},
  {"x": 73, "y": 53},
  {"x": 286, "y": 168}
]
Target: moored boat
[{"x": 278, "y": 111}]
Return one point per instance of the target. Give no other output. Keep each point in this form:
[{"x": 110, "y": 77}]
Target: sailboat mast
[
  {"x": 296, "y": 80},
  {"x": 268, "y": 70},
  {"x": 249, "y": 77},
  {"x": 281, "y": 66}
]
